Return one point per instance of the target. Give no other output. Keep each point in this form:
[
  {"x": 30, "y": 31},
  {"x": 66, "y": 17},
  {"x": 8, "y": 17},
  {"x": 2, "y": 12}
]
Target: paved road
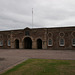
[{"x": 11, "y": 57}]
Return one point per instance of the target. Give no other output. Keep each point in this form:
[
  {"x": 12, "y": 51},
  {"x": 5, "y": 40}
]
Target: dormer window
[{"x": 27, "y": 33}]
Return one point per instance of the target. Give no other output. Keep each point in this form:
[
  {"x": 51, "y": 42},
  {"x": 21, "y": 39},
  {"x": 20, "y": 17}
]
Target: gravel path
[{"x": 11, "y": 57}]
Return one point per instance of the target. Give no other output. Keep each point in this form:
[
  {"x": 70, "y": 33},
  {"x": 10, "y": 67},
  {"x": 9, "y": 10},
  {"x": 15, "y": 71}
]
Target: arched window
[
  {"x": 61, "y": 42},
  {"x": 50, "y": 42},
  {"x": 9, "y": 43},
  {"x": 1, "y": 43},
  {"x": 73, "y": 42}
]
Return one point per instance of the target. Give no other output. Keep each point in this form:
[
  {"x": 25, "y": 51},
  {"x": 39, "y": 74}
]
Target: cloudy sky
[{"x": 17, "y": 14}]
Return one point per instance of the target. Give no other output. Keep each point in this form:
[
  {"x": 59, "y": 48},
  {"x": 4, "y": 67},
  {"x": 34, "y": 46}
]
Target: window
[
  {"x": 50, "y": 42},
  {"x": 61, "y": 42},
  {"x": 9, "y": 43},
  {"x": 26, "y": 33},
  {"x": 1, "y": 43},
  {"x": 73, "y": 42}
]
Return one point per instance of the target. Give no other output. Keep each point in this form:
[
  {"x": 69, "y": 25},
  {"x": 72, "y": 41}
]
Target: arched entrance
[
  {"x": 39, "y": 44},
  {"x": 27, "y": 43},
  {"x": 17, "y": 44}
]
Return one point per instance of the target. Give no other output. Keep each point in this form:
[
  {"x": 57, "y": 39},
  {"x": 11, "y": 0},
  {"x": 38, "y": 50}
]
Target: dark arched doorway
[
  {"x": 39, "y": 44},
  {"x": 17, "y": 44},
  {"x": 27, "y": 43}
]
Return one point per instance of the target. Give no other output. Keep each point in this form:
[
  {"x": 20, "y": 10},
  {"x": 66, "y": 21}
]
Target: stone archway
[
  {"x": 27, "y": 43},
  {"x": 39, "y": 44},
  {"x": 17, "y": 44}
]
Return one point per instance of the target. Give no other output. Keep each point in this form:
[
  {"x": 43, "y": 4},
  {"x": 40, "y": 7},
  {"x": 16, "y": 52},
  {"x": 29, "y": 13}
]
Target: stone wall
[
  {"x": 66, "y": 33},
  {"x": 4, "y": 37}
]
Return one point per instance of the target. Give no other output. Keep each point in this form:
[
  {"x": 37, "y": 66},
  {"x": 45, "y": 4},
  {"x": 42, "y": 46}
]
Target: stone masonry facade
[{"x": 60, "y": 38}]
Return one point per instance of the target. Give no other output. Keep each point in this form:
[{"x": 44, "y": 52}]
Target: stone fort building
[{"x": 60, "y": 38}]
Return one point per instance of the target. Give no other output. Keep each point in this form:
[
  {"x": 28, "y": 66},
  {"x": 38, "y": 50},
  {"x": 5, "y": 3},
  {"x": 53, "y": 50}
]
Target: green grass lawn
[{"x": 43, "y": 67}]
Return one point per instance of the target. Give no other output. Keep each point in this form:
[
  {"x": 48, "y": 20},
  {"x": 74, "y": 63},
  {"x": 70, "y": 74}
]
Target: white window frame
[
  {"x": 8, "y": 43},
  {"x": 1, "y": 42},
  {"x": 51, "y": 41},
  {"x": 73, "y": 42},
  {"x": 60, "y": 42}
]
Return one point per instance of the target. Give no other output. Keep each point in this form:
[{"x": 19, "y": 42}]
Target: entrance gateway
[
  {"x": 27, "y": 43},
  {"x": 17, "y": 44},
  {"x": 39, "y": 44}
]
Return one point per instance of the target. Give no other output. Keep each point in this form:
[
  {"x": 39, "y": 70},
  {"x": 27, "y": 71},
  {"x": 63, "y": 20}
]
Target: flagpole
[{"x": 32, "y": 17}]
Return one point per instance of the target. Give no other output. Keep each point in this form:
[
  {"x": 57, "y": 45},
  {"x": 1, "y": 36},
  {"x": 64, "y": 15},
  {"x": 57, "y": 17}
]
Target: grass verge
[{"x": 43, "y": 67}]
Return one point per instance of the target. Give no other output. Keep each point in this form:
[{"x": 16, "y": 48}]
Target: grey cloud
[{"x": 17, "y": 14}]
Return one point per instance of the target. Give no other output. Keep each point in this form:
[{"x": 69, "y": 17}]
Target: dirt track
[{"x": 11, "y": 57}]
